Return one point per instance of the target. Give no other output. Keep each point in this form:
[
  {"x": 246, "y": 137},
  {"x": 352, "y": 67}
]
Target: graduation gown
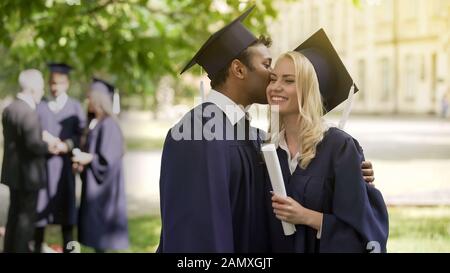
[
  {"x": 211, "y": 192},
  {"x": 56, "y": 202},
  {"x": 103, "y": 222},
  {"x": 354, "y": 213}
]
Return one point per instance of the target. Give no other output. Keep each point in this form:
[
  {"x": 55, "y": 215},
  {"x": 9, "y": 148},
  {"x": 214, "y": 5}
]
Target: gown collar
[
  {"x": 233, "y": 111},
  {"x": 58, "y": 103},
  {"x": 28, "y": 99}
]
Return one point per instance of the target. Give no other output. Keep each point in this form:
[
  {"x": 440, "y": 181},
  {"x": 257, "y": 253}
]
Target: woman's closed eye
[{"x": 289, "y": 81}]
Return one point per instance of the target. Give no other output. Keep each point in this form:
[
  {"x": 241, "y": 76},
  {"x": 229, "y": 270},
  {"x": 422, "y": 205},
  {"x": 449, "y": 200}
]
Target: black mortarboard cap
[
  {"x": 103, "y": 86},
  {"x": 334, "y": 80},
  {"x": 59, "y": 68},
  {"x": 99, "y": 85},
  {"x": 223, "y": 46}
]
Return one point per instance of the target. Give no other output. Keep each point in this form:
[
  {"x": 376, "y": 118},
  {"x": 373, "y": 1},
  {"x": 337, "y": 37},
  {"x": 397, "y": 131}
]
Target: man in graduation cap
[
  {"x": 213, "y": 190},
  {"x": 62, "y": 117}
]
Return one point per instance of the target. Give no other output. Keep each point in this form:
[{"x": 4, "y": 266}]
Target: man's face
[
  {"x": 59, "y": 83},
  {"x": 258, "y": 77}
]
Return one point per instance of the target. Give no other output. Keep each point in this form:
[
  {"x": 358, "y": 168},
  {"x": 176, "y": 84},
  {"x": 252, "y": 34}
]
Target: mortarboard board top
[
  {"x": 102, "y": 86},
  {"x": 59, "y": 68},
  {"x": 99, "y": 85},
  {"x": 223, "y": 46},
  {"x": 334, "y": 80}
]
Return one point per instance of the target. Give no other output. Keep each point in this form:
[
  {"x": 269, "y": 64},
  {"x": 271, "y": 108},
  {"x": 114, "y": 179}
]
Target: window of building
[
  {"x": 314, "y": 17},
  {"x": 439, "y": 7},
  {"x": 411, "y": 78},
  {"x": 361, "y": 79},
  {"x": 411, "y": 9},
  {"x": 387, "y": 9},
  {"x": 331, "y": 20},
  {"x": 386, "y": 79},
  {"x": 383, "y": 11}
]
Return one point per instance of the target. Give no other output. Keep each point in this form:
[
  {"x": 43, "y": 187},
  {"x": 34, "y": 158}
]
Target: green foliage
[
  {"x": 357, "y": 3},
  {"x": 131, "y": 43}
]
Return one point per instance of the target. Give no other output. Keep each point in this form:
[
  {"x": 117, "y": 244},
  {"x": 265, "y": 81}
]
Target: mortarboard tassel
[
  {"x": 202, "y": 88},
  {"x": 347, "y": 108},
  {"x": 116, "y": 103},
  {"x": 202, "y": 92}
]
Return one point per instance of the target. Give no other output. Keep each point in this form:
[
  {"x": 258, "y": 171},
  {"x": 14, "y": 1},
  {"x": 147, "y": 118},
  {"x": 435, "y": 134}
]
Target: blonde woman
[
  {"x": 333, "y": 208},
  {"x": 103, "y": 222}
]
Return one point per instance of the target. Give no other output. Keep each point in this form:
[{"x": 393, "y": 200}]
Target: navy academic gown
[
  {"x": 103, "y": 222},
  {"x": 212, "y": 192},
  {"x": 354, "y": 212},
  {"x": 56, "y": 202}
]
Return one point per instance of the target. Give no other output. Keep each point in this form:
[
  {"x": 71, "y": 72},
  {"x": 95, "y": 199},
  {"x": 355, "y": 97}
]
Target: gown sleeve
[
  {"x": 80, "y": 125},
  {"x": 196, "y": 210},
  {"x": 109, "y": 150},
  {"x": 359, "y": 218}
]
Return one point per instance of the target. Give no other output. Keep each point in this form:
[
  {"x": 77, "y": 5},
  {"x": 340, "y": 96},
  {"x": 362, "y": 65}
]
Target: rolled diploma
[{"x": 276, "y": 178}]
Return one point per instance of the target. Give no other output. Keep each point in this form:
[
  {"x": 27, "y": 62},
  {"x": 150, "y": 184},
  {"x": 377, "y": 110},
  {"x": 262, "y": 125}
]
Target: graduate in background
[
  {"x": 23, "y": 169},
  {"x": 102, "y": 223},
  {"x": 333, "y": 209},
  {"x": 64, "y": 118}
]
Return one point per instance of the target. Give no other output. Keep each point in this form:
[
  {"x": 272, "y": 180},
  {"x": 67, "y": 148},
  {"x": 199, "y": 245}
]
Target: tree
[{"x": 131, "y": 43}]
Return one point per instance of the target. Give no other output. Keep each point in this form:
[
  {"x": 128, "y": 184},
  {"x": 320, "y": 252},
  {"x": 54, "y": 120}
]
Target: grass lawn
[
  {"x": 412, "y": 229},
  {"x": 425, "y": 229},
  {"x": 144, "y": 235}
]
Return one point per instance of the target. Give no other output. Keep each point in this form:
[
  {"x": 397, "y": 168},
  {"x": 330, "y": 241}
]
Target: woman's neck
[{"x": 291, "y": 132}]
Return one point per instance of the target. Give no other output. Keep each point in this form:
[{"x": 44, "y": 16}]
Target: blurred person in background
[
  {"x": 63, "y": 117},
  {"x": 102, "y": 223},
  {"x": 23, "y": 169}
]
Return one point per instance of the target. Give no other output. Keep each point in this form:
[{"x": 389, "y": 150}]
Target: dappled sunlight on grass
[
  {"x": 144, "y": 233},
  {"x": 419, "y": 229},
  {"x": 412, "y": 229}
]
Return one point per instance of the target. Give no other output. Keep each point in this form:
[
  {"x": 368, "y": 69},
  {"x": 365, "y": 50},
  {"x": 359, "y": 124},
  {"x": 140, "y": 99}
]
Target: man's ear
[{"x": 238, "y": 69}]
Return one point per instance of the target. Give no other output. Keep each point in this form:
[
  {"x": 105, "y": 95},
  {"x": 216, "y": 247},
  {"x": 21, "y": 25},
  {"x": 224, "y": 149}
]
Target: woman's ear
[{"x": 238, "y": 69}]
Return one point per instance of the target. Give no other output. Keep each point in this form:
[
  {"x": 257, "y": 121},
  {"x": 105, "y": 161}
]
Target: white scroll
[{"x": 276, "y": 178}]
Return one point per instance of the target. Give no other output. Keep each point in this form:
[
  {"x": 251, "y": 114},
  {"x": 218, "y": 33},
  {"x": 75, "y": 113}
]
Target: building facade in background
[{"x": 398, "y": 51}]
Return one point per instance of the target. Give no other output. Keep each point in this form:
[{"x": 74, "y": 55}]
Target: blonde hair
[
  {"x": 312, "y": 126},
  {"x": 102, "y": 101}
]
